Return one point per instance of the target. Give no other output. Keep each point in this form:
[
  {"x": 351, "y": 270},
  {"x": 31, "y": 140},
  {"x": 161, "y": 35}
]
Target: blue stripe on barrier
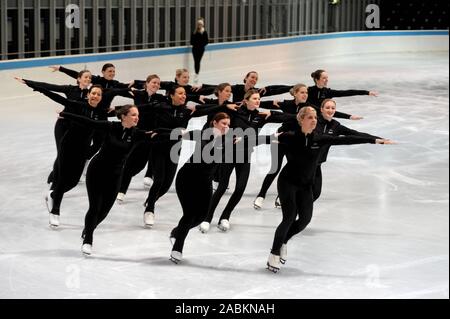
[{"x": 30, "y": 63}]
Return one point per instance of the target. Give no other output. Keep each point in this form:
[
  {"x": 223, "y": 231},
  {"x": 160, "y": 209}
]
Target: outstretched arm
[
  {"x": 69, "y": 72},
  {"x": 343, "y": 130},
  {"x": 53, "y": 96},
  {"x": 276, "y": 89},
  {"x": 270, "y": 105},
  {"x": 341, "y": 93},
  {"x": 99, "y": 125},
  {"x": 206, "y": 109},
  {"x": 349, "y": 140},
  {"x": 280, "y": 117},
  {"x": 51, "y": 87}
]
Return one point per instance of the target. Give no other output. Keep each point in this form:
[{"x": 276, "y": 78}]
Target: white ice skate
[
  {"x": 53, "y": 220},
  {"x": 148, "y": 182},
  {"x": 120, "y": 198},
  {"x": 273, "y": 264},
  {"x": 149, "y": 219},
  {"x": 224, "y": 225},
  {"x": 176, "y": 257},
  {"x": 204, "y": 227},
  {"x": 86, "y": 249},
  {"x": 258, "y": 203}
]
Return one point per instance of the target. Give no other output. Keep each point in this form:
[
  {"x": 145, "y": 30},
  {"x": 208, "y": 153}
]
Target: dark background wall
[
  {"x": 414, "y": 15},
  {"x": 32, "y": 28}
]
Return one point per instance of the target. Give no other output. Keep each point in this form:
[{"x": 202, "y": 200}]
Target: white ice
[{"x": 380, "y": 229}]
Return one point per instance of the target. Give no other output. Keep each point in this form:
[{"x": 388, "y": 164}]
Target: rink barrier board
[{"x": 99, "y": 57}]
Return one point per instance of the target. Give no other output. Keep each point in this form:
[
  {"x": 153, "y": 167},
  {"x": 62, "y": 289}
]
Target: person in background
[{"x": 199, "y": 40}]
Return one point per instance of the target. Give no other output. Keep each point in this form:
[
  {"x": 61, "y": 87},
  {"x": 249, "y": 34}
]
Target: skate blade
[
  {"x": 222, "y": 229},
  {"x": 272, "y": 269}
]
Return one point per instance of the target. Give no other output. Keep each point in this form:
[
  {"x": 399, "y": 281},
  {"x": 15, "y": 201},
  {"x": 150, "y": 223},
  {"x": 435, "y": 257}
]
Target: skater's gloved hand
[
  {"x": 55, "y": 68},
  {"x": 262, "y": 91},
  {"x": 233, "y": 107},
  {"x": 19, "y": 79},
  {"x": 196, "y": 88},
  {"x": 266, "y": 114}
]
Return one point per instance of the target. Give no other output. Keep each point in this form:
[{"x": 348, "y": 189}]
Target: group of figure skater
[{"x": 150, "y": 132}]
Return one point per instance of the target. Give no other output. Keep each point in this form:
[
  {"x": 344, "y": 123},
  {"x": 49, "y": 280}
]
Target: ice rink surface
[{"x": 380, "y": 229}]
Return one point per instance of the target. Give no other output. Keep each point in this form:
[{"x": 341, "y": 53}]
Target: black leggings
[
  {"x": 277, "y": 154},
  {"x": 136, "y": 161},
  {"x": 194, "y": 193},
  {"x": 198, "y": 55},
  {"x": 297, "y": 201},
  {"x": 61, "y": 128},
  {"x": 97, "y": 142},
  {"x": 164, "y": 173},
  {"x": 317, "y": 186},
  {"x": 149, "y": 172},
  {"x": 102, "y": 184},
  {"x": 242, "y": 175},
  {"x": 71, "y": 160}
]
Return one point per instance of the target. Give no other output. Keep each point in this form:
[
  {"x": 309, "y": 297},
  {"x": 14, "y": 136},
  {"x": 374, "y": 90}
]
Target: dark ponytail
[
  {"x": 107, "y": 66},
  {"x": 124, "y": 110},
  {"x": 96, "y": 86},
  {"x": 81, "y": 73},
  {"x": 220, "y": 88},
  {"x": 316, "y": 75},
  {"x": 219, "y": 117}
]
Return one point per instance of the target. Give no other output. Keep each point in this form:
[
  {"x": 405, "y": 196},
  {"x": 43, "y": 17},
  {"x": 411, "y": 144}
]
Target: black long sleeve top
[
  {"x": 141, "y": 97},
  {"x": 108, "y": 96},
  {"x": 170, "y": 116},
  {"x": 75, "y": 93},
  {"x": 96, "y": 79},
  {"x": 118, "y": 141},
  {"x": 199, "y": 40},
  {"x": 77, "y": 107},
  {"x": 146, "y": 106},
  {"x": 303, "y": 153},
  {"x": 79, "y": 134},
  {"x": 290, "y": 107},
  {"x": 246, "y": 123},
  {"x": 222, "y": 108},
  {"x": 220, "y": 150},
  {"x": 245, "y": 119},
  {"x": 334, "y": 128},
  {"x": 72, "y": 92},
  {"x": 239, "y": 91},
  {"x": 207, "y": 89},
  {"x": 316, "y": 95}
]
